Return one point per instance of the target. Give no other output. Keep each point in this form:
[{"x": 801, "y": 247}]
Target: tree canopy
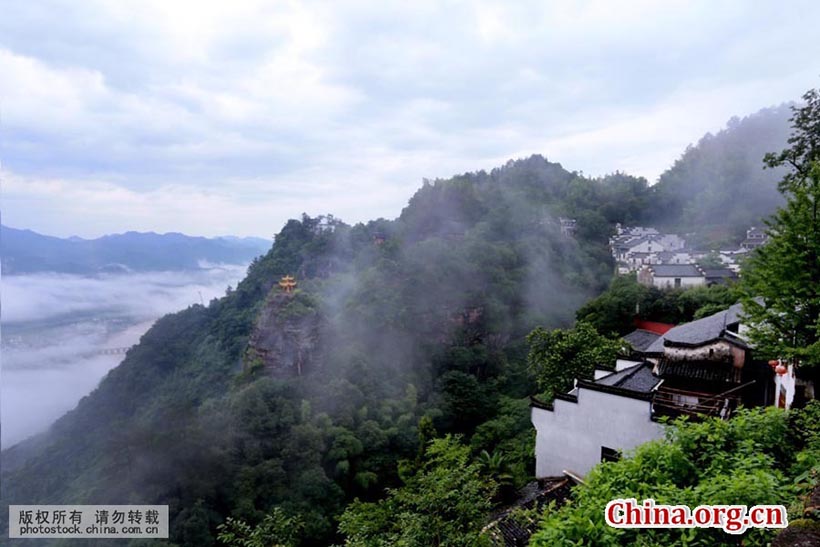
[
  {"x": 443, "y": 504},
  {"x": 760, "y": 456},
  {"x": 785, "y": 273},
  {"x": 559, "y": 356}
]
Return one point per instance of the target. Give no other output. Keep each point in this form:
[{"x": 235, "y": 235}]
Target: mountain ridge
[{"x": 26, "y": 251}]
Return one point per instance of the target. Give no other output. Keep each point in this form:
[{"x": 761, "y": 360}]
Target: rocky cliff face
[{"x": 285, "y": 338}]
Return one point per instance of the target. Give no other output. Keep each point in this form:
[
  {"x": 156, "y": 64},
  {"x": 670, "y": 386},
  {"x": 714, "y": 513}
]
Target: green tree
[
  {"x": 559, "y": 356},
  {"x": 749, "y": 459},
  {"x": 497, "y": 467},
  {"x": 711, "y": 261},
  {"x": 785, "y": 272},
  {"x": 443, "y": 504},
  {"x": 277, "y": 529},
  {"x": 614, "y": 310}
]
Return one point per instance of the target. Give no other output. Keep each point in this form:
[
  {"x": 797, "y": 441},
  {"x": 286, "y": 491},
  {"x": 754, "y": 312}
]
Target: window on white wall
[{"x": 609, "y": 454}]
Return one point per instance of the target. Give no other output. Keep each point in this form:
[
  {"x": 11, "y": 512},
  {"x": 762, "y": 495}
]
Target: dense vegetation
[
  {"x": 417, "y": 320},
  {"x": 719, "y": 187},
  {"x": 758, "y": 457},
  {"x": 782, "y": 285},
  {"x": 557, "y": 357},
  {"x": 407, "y": 379},
  {"x": 614, "y": 311}
]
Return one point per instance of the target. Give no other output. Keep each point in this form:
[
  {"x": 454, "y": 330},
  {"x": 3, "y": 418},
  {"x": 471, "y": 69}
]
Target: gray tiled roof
[
  {"x": 638, "y": 378},
  {"x": 641, "y": 339},
  {"x": 706, "y": 329},
  {"x": 719, "y": 272},
  {"x": 656, "y": 346},
  {"x": 675, "y": 270},
  {"x": 700, "y": 331},
  {"x": 628, "y": 244}
]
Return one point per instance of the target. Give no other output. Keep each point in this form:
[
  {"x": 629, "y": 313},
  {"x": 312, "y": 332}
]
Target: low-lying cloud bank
[
  {"x": 38, "y": 297},
  {"x": 55, "y": 328}
]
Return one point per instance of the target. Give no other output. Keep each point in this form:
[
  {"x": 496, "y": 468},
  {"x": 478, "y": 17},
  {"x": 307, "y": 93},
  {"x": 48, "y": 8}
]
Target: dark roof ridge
[
  {"x": 632, "y": 371},
  {"x": 615, "y": 390}
]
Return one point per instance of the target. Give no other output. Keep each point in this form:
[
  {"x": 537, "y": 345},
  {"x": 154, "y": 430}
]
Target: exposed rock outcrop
[{"x": 285, "y": 339}]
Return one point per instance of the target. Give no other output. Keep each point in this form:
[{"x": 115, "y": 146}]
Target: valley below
[{"x": 63, "y": 333}]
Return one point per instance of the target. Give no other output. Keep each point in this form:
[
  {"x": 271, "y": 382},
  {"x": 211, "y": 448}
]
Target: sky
[{"x": 217, "y": 118}]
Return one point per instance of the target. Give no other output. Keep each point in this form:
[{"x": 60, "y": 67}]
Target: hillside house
[
  {"x": 636, "y": 246},
  {"x": 634, "y": 261},
  {"x": 707, "y": 367},
  {"x": 755, "y": 237},
  {"x": 653, "y": 243},
  {"x": 731, "y": 259},
  {"x": 576, "y": 431},
  {"x": 669, "y": 276},
  {"x": 568, "y": 226},
  {"x": 704, "y": 367}
]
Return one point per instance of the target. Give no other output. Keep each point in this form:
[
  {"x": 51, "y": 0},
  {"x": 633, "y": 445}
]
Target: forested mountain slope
[
  {"x": 398, "y": 331},
  {"x": 719, "y": 187},
  {"x": 391, "y": 321}
]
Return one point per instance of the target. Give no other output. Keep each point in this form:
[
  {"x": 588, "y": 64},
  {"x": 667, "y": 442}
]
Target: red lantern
[
  {"x": 781, "y": 370},
  {"x": 773, "y": 363}
]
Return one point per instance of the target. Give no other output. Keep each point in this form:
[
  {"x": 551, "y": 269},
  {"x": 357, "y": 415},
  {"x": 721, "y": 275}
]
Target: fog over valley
[{"x": 57, "y": 328}]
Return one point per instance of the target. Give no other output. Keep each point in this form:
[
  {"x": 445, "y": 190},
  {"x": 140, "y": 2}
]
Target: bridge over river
[{"x": 112, "y": 351}]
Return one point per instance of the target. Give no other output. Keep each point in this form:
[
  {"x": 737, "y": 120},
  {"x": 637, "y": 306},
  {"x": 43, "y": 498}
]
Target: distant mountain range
[{"x": 24, "y": 251}]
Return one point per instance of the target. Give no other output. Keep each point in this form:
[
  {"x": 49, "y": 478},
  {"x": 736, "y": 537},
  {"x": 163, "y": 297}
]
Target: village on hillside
[
  {"x": 706, "y": 367},
  {"x": 664, "y": 261}
]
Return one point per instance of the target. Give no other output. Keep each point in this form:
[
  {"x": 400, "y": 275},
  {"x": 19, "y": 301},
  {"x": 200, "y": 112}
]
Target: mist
[{"x": 63, "y": 333}]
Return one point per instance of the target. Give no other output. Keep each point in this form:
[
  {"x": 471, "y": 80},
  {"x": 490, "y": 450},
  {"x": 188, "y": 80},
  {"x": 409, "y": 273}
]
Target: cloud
[
  {"x": 142, "y": 296},
  {"x": 250, "y": 113},
  {"x": 54, "y": 327}
]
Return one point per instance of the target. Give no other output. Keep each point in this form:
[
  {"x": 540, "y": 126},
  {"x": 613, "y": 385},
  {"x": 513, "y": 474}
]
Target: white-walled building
[
  {"x": 755, "y": 237},
  {"x": 634, "y": 247},
  {"x": 704, "y": 367},
  {"x": 595, "y": 421},
  {"x": 669, "y": 276}
]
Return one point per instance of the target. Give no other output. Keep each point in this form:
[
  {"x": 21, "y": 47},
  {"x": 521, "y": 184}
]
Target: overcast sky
[{"x": 231, "y": 117}]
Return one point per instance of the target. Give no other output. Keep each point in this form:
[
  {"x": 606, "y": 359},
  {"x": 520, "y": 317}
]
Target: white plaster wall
[
  {"x": 673, "y": 242},
  {"x": 648, "y": 247},
  {"x": 669, "y": 282},
  {"x": 571, "y": 436},
  {"x": 621, "y": 364}
]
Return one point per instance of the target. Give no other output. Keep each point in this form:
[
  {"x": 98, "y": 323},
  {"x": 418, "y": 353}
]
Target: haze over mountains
[
  {"x": 719, "y": 186},
  {"x": 68, "y": 303},
  {"x": 261, "y": 400},
  {"x": 25, "y": 252}
]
